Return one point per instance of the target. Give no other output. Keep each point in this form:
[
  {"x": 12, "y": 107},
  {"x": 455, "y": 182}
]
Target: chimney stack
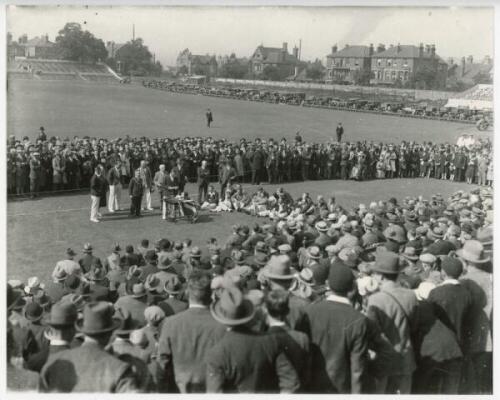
[
  {"x": 470, "y": 59},
  {"x": 433, "y": 50},
  {"x": 380, "y": 48},
  {"x": 370, "y": 50},
  {"x": 334, "y": 49},
  {"x": 463, "y": 65},
  {"x": 296, "y": 52},
  {"x": 421, "y": 50},
  {"x": 285, "y": 47}
]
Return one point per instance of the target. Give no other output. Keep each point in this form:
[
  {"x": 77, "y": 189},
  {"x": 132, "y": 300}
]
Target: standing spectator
[
  {"x": 478, "y": 347},
  {"x": 68, "y": 370},
  {"x": 203, "y": 175},
  {"x": 160, "y": 181},
  {"x": 58, "y": 168},
  {"x": 147, "y": 182},
  {"x": 392, "y": 311},
  {"x": 339, "y": 338},
  {"x": 209, "y": 117},
  {"x": 243, "y": 361},
  {"x": 115, "y": 187},
  {"x": 227, "y": 176},
  {"x": 97, "y": 191},
  {"x": 135, "y": 190},
  {"x": 187, "y": 337},
  {"x": 35, "y": 170},
  {"x": 339, "y": 131}
]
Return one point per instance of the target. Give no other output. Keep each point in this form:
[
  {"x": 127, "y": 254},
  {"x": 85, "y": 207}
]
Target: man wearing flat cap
[{"x": 68, "y": 370}]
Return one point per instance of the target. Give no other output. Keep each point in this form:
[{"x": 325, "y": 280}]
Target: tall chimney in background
[
  {"x": 285, "y": 47},
  {"x": 433, "y": 50},
  {"x": 370, "y": 49},
  {"x": 296, "y": 52}
]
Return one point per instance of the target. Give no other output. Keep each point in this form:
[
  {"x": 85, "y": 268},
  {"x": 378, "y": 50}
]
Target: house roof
[
  {"x": 273, "y": 55},
  {"x": 471, "y": 70},
  {"x": 352, "y": 51},
  {"x": 405, "y": 51},
  {"x": 39, "y": 42}
]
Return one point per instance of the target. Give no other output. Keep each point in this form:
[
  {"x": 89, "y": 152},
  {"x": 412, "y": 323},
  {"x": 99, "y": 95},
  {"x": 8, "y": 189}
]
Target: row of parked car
[{"x": 413, "y": 109}]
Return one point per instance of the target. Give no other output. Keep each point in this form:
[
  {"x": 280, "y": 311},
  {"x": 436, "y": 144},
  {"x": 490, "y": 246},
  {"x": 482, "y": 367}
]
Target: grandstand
[
  {"x": 61, "y": 70},
  {"x": 479, "y": 97}
]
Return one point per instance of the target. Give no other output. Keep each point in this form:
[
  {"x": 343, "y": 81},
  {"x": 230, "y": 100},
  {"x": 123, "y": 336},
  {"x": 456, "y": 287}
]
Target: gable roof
[
  {"x": 273, "y": 55},
  {"x": 405, "y": 51},
  {"x": 352, "y": 51}
]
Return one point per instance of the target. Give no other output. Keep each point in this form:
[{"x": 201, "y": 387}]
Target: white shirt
[
  {"x": 338, "y": 299},
  {"x": 450, "y": 281}
]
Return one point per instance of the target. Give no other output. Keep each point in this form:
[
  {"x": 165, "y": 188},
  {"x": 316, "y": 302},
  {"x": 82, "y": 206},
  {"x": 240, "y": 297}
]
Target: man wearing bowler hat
[
  {"x": 392, "y": 311},
  {"x": 340, "y": 335},
  {"x": 135, "y": 304},
  {"x": 89, "y": 368},
  {"x": 244, "y": 361},
  {"x": 175, "y": 291}
]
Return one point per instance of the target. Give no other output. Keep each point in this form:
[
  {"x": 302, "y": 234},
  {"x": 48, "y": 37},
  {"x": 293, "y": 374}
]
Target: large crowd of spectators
[
  {"x": 53, "y": 164},
  {"x": 387, "y": 297}
]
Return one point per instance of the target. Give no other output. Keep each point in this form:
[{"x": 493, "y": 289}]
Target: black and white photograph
[{"x": 279, "y": 199}]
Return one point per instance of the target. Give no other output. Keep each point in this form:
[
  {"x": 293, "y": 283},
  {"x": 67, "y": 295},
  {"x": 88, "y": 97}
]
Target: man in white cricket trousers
[
  {"x": 97, "y": 190},
  {"x": 115, "y": 187},
  {"x": 147, "y": 182}
]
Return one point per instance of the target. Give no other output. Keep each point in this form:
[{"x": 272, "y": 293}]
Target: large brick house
[
  {"x": 351, "y": 64},
  {"x": 408, "y": 65},
  {"x": 193, "y": 64},
  {"x": 40, "y": 47},
  {"x": 276, "y": 57}
]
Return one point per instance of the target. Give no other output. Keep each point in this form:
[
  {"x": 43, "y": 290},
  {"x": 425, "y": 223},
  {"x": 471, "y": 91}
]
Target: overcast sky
[{"x": 222, "y": 30}]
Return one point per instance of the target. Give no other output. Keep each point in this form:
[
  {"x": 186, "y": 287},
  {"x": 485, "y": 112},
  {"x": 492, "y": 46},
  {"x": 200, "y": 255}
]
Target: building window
[
  {"x": 387, "y": 75},
  {"x": 405, "y": 62},
  {"x": 395, "y": 63},
  {"x": 356, "y": 62},
  {"x": 407, "y": 75},
  {"x": 400, "y": 75},
  {"x": 389, "y": 62},
  {"x": 393, "y": 75},
  {"x": 346, "y": 62},
  {"x": 380, "y": 75},
  {"x": 379, "y": 62}
]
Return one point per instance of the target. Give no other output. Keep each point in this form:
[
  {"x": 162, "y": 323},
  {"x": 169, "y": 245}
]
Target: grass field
[
  {"x": 40, "y": 231},
  {"x": 72, "y": 108}
]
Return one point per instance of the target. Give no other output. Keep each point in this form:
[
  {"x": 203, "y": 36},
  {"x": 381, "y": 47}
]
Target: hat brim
[
  {"x": 114, "y": 325},
  {"x": 463, "y": 255},
  {"x": 138, "y": 296},
  {"x": 250, "y": 310},
  {"x": 375, "y": 268},
  {"x": 411, "y": 258},
  {"x": 270, "y": 275}
]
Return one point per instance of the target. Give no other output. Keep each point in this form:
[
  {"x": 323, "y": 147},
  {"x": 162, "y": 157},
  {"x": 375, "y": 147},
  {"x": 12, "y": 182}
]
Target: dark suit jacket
[
  {"x": 203, "y": 176},
  {"x": 88, "y": 261},
  {"x": 135, "y": 187},
  {"x": 297, "y": 349},
  {"x": 185, "y": 339},
  {"x": 172, "y": 306},
  {"x": 440, "y": 248},
  {"x": 451, "y": 305},
  {"x": 98, "y": 185},
  {"x": 339, "y": 346},
  {"x": 55, "y": 290},
  {"x": 68, "y": 371},
  {"x": 114, "y": 176},
  {"x": 248, "y": 362}
]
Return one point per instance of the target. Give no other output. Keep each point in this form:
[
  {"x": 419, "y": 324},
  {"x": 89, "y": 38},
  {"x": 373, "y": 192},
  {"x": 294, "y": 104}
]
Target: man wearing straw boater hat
[
  {"x": 478, "y": 346},
  {"x": 189, "y": 335},
  {"x": 244, "y": 361},
  {"x": 89, "y": 368}
]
